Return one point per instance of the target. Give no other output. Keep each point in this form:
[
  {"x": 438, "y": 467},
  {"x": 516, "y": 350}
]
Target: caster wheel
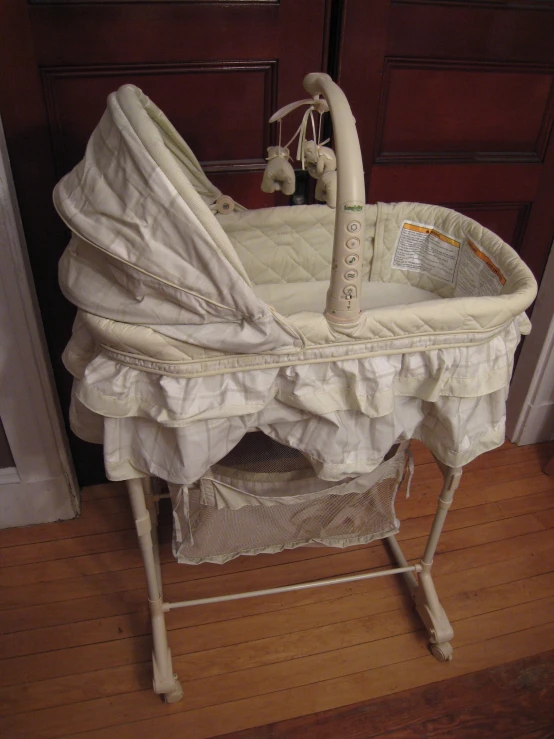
[
  {"x": 175, "y": 694},
  {"x": 442, "y": 652}
]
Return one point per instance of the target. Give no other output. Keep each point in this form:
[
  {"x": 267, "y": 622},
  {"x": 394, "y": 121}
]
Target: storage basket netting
[
  {"x": 194, "y": 328},
  {"x": 264, "y": 497}
]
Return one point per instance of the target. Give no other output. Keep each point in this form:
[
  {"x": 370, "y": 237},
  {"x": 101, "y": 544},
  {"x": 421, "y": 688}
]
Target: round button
[
  {"x": 225, "y": 204},
  {"x": 353, "y": 243},
  {"x": 351, "y": 259},
  {"x": 350, "y": 292},
  {"x": 354, "y": 227},
  {"x": 350, "y": 275}
]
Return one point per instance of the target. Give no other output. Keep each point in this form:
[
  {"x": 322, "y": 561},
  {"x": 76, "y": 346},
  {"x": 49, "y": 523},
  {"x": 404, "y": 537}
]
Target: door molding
[
  {"x": 42, "y": 487},
  {"x": 531, "y": 400}
]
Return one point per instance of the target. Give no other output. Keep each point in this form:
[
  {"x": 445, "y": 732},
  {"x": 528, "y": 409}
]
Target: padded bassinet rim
[
  {"x": 473, "y": 316},
  {"x": 459, "y": 314},
  {"x": 127, "y": 345}
]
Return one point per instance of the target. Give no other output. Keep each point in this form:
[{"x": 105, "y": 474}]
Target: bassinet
[{"x": 197, "y": 326}]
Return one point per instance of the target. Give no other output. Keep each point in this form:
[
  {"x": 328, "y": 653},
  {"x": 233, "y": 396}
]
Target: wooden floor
[
  {"x": 75, "y": 650},
  {"x": 514, "y": 700}
]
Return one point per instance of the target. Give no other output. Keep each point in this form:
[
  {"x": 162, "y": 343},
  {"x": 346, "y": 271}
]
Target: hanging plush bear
[
  {"x": 321, "y": 164},
  {"x": 326, "y": 188},
  {"x": 279, "y": 174}
]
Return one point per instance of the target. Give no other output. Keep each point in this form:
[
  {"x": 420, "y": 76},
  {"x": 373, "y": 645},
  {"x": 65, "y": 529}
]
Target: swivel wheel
[
  {"x": 443, "y": 652},
  {"x": 175, "y": 695}
]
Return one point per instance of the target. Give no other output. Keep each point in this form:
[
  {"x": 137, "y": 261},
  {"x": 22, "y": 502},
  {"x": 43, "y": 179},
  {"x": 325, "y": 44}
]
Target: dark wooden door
[
  {"x": 454, "y": 104},
  {"x": 218, "y": 70}
]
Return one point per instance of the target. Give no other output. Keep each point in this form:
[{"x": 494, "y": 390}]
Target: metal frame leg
[
  {"x": 165, "y": 681},
  {"x": 152, "y": 506},
  {"x": 426, "y": 599},
  {"x": 423, "y": 589},
  {"x": 401, "y": 560}
]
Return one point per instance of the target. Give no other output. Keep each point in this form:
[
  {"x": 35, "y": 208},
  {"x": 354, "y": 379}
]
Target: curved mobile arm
[{"x": 343, "y": 297}]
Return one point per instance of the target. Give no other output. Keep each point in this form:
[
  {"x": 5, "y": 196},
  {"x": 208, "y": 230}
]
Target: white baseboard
[
  {"x": 8, "y": 476},
  {"x": 537, "y": 426},
  {"x": 24, "y": 504}
]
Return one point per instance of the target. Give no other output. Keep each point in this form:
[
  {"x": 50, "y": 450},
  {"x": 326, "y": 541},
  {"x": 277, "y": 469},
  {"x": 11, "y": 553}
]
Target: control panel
[{"x": 346, "y": 271}]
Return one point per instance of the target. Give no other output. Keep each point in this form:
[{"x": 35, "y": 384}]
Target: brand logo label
[{"x": 353, "y": 207}]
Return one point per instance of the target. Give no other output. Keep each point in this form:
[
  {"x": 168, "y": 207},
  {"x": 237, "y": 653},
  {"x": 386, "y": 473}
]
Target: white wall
[{"x": 531, "y": 401}]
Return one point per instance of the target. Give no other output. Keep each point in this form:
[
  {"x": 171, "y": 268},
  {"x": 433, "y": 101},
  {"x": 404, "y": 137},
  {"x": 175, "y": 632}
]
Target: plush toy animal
[
  {"x": 279, "y": 174},
  {"x": 309, "y": 149},
  {"x": 321, "y": 164},
  {"x": 326, "y": 188}
]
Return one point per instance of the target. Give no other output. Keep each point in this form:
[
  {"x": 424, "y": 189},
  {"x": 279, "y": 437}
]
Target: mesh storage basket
[{"x": 265, "y": 497}]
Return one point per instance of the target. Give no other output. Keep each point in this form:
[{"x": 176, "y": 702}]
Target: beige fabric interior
[{"x": 299, "y": 297}]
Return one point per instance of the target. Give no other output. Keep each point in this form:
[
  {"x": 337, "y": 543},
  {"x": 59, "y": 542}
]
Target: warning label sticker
[
  {"x": 477, "y": 273},
  {"x": 422, "y": 248}
]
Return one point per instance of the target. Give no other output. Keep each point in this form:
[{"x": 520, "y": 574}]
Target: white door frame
[
  {"x": 531, "y": 401},
  {"x": 42, "y": 486}
]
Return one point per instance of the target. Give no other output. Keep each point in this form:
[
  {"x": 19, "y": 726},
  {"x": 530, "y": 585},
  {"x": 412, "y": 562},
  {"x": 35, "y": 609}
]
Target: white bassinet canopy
[{"x": 195, "y": 328}]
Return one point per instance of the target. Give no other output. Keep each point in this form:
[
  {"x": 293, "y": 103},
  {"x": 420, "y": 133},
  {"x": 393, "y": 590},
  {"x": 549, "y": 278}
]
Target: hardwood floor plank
[
  {"x": 344, "y": 661},
  {"x": 310, "y": 641},
  {"x": 81, "y": 633},
  {"x": 546, "y": 518},
  {"x": 105, "y": 490},
  {"x": 71, "y": 611},
  {"x": 511, "y": 717},
  {"x": 327, "y": 605},
  {"x": 20, "y": 596},
  {"x": 69, "y": 690},
  {"x": 60, "y": 549},
  {"x": 529, "y": 678},
  {"x": 460, "y": 518},
  {"x": 459, "y": 606},
  {"x": 495, "y": 551},
  {"x": 499, "y": 491},
  {"x": 68, "y": 568},
  {"x": 129, "y": 601},
  {"x": 231, "y": 716},
  {"x": 85, "y": 525}
]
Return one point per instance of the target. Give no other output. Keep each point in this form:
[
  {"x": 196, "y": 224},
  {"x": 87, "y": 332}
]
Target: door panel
[
  {"x": 221, "y": 109},
  {"x": 457, "y": 108},
  {"x": 460, "y": 112},
  {"x": 521, "y": 30}
]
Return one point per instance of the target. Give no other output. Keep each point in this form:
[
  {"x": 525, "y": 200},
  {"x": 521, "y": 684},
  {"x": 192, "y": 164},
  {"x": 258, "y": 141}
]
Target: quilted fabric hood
[{"x": 145, "y": 236}]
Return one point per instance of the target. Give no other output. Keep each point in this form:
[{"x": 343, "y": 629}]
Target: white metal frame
[{"x": 422, "y": 588}]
